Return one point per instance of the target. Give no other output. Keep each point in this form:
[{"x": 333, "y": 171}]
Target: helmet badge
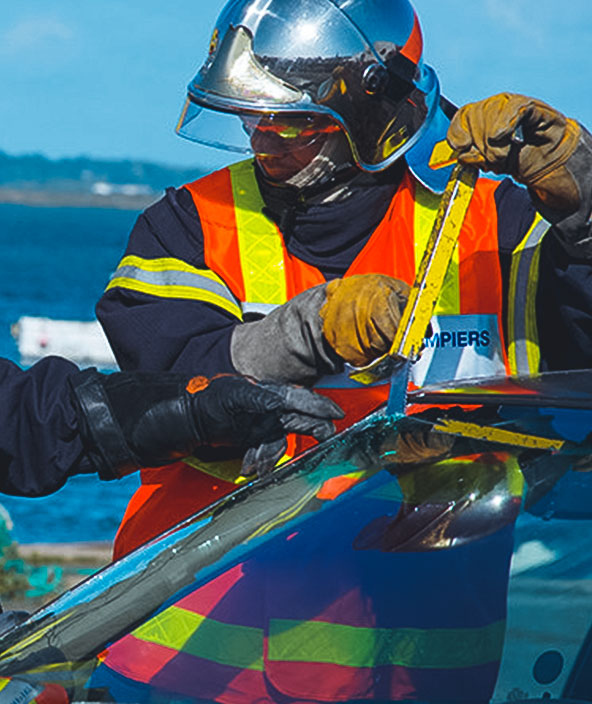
[{"x": 214, "y": 41}]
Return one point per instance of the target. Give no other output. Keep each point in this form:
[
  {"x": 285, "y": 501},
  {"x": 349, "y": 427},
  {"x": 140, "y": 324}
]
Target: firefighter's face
[{"x": 284, "y": 145}]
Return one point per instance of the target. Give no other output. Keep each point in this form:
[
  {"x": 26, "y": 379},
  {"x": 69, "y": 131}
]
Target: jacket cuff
[
  {"x": 574, "y": 230},
  {"x": 101, "y": 434}
]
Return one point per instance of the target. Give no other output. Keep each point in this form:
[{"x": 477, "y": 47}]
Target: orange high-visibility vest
[{"x": 246, "y": 250}]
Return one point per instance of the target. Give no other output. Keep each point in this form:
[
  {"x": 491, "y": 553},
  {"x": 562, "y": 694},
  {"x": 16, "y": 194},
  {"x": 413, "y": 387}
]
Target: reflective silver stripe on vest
[
  {"x": 525, "y": 356},
  {"x": 173, "y": 278}
]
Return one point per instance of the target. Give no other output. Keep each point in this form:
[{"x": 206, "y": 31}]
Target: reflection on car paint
[{"x": 473, "y": 556}]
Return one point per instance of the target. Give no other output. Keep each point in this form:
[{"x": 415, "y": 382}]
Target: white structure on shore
[{"x": 82, "y": 342}]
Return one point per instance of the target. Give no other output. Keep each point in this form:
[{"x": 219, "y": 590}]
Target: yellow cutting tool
[{"x": 425, "y": 291}]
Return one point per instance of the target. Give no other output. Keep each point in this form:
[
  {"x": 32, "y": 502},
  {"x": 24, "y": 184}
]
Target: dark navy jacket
[
  {"x": 39, "y": 442},
  {"x": 150, "y": 333}
]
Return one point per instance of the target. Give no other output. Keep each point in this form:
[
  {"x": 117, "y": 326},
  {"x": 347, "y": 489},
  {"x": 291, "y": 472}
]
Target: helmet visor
[
  {"x": 272, "y": 57},
  {"x": 267, "y": 134}
]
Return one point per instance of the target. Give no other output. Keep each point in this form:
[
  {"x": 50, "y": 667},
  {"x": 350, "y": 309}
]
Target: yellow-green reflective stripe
[
  {"x": 260, "y": 243},
  {"x": 286, "y": 515},
  {"x": 167, "y": 264},
  {"x": 511, "y": 466},
  {"x": 226, "y": 470},
  {"x": 424, "y": 214},
  {"x": 321, "y": 642},
  {"x": 523, "y": 344},
  {"x": 352, "y": 646},
  {"x": 194, "y": 634},
  {"x": 491, "y": 433},
  {"x": 462, "y": 478},
  {"x": 172, "y": 278},
  {"x": 515, "y": 477}
]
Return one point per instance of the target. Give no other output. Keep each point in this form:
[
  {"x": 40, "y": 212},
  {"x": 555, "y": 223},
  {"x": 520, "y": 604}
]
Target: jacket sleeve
[
  {"x": 39, "y": 441},
  {"x": 564, "y": 291},
  {"x": 573, "y": 230},
  {"x": 163, "y": 308}
]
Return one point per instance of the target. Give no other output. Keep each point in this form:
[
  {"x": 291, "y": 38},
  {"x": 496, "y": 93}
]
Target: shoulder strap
[{"x": 260, "y": 243}]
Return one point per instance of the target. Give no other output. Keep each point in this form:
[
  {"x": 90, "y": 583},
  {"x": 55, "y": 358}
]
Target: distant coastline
[
  {"x": 46, "y": 198},
  {"x": 83, "y": 182}
]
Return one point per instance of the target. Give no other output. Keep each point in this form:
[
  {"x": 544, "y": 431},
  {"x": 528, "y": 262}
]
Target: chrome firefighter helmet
[{"x": 353, "y": 64}]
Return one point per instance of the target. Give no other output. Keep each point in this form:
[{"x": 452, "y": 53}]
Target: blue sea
[{"x": 56, "y": 263}]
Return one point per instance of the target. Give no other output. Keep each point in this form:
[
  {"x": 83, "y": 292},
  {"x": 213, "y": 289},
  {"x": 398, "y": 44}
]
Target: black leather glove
[{"x": 130, "y": 420}]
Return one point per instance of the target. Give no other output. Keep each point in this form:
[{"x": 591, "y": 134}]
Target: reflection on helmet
[{"x": 355, "y": 63}]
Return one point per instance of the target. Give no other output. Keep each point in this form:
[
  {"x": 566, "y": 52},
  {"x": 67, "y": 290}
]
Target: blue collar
[{"x": 418, "y": 157}]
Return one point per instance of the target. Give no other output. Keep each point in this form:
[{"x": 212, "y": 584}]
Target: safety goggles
[{"x": 306, "y": 127}]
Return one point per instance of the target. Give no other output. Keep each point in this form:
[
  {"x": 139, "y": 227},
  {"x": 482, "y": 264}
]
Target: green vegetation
[
  {"x": 13, "y": 581},
  {"x": 81, "y": 174}
]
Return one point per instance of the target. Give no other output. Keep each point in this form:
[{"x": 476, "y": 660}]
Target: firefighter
[{"x": 295, "y": 263}]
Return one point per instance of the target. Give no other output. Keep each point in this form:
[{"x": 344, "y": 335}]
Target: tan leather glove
[
  {"x": 483, "y": 133},
  {"x": 417, "y": 447},
  {"x": 361, "y": 315}
]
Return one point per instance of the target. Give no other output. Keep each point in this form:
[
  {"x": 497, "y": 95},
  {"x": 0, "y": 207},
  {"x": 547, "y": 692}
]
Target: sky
[{"x": 107, "y": 78}]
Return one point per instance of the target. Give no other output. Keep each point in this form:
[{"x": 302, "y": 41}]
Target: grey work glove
[
  {"x": 288, "y": 344},
  {"x": 350, "y": 320},
  {"x": 130, "y": 420}
]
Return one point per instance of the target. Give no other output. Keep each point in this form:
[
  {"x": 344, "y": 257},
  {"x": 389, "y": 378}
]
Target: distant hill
[{"x": 84, "y": 175}]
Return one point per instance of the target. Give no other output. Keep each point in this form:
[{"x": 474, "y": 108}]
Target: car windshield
[{"x": 440, "y": 556}]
